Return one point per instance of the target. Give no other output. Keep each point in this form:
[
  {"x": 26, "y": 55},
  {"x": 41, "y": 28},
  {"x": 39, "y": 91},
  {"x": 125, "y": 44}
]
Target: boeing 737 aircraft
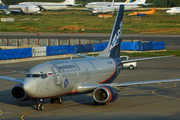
[
  {"x": 51, "y": 5},
  {"x": 56, "y": 79},
  {"x": 127, "y": 5},
  {"x": 22, "y": 9},
  {"x": 173, "y": 10},
  {"x": 104, "y": 9}
]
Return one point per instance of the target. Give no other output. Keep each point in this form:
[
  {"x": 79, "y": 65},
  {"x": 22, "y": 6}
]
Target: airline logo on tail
[
  {"x": 115, "y": 39},
  {"x": 1, "y": 4},
  {"x": 128, "y": 1}
]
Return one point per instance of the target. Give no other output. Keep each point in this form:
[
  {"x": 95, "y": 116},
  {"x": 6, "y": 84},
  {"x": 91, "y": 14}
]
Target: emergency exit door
[{"x": 58, "y": 78}]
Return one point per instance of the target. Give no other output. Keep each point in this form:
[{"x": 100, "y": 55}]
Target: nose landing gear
[{"x": 40, "y": 105}]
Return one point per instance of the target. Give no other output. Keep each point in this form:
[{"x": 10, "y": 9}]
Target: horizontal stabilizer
[{"x": 144, "y": 59}]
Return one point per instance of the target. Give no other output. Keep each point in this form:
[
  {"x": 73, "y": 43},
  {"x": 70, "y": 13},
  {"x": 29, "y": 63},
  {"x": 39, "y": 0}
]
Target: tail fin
[
  {"x": 69, "y": 2},
  {"x": 140, "y": 1},
  {"x": 154, "y": 9},
  {"x": 113, "y": 48},
  {"x": 128, "y": 1},
  {"x": 1, "y": 4},
  {"x": 112, "y": 4}
]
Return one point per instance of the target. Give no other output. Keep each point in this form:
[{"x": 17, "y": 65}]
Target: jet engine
[
  {"x": 7, "y": 12},
  {"x": 105, "y": 94},
  {"x": 18, "y": 93}
]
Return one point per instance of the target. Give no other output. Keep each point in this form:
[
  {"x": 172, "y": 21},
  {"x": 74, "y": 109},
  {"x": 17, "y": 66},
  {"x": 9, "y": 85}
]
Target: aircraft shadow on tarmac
[{"x": 87, "y": 99}]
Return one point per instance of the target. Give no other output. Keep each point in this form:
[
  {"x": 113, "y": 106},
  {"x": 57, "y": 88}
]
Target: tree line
[{"x": 156, "y": 3}]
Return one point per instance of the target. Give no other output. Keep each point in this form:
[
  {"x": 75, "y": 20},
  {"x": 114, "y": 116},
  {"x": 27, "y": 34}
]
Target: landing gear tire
[
  {"x": 96, "y": 103},
  {"x": 53, "y": 101},
  {"x": 40, "y": 107},
  {"x": 59, "y": 100}
]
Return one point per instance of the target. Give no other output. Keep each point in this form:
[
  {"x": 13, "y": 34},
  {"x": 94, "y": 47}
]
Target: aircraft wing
[
  {"x": 12, "y": 79},
  {"x": 77, "y": 4},
  {"x": 148, "y": 4},
  {"x": 10, "y": 10},
  {"x": 119, "y": 86},
  {"x": 144, "y": 59}
]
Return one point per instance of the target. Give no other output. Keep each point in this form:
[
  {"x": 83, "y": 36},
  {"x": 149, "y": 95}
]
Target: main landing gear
[
  {"x": 59, "y": 100},
  {"x": 40, "y": 104}
]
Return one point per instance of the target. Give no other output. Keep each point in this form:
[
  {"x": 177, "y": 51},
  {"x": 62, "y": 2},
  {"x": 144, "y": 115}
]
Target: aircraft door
[{"x": 58, "y": 77}]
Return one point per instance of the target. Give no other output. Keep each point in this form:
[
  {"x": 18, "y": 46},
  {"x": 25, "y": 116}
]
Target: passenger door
[{"x": 57, "y": 74}]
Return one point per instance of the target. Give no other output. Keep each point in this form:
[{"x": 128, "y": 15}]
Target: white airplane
[
  {"x": 56, "y": 79},
  {"x": 173, "y": 10},
  {"x": 22, "y": 9},
  {"x": 128, "y": 5},
  {"x": 104, "y": 9},
  {"x": 52, "y": 5}
]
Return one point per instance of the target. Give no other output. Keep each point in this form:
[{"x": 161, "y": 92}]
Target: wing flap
[
  {"x": 12, "y": 79},
  {"x": 119, "y": 86}
]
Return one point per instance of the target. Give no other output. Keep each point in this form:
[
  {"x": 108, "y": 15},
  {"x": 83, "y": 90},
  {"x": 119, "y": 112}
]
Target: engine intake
[
  {"x": 105, "y": 94},
  {"x": 18, "y": 93}
]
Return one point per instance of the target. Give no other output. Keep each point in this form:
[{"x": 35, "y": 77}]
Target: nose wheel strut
[{"x": 40, "y": 105}]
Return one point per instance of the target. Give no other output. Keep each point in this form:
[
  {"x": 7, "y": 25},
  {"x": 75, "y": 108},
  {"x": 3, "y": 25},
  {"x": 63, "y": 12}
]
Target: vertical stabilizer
[
  {"x": 1, "y": 4},
  {"x": 128, "y": 1},
  {"x": 113, "y": 48},
  {"x": 69, "y": 2},
  {"x": 112, "y": 4},
  {"x": 140, "y": 1}
]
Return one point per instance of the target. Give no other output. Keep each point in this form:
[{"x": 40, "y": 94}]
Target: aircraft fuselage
[{"x": 62, "y": 77}]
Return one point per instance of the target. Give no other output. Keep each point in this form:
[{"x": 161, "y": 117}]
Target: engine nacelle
[
  {"x": 7, "y": 12},
  {"x": 105, "y": 94},
  {"x": 18, "y": 93}
]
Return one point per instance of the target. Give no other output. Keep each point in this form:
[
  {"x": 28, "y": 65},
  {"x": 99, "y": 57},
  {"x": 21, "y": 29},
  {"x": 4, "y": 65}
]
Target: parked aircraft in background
[
  {"x": 150, "y": 12},
  {"x": 128, "y": 6},
  {"x": 104, "y": 9},
  {"x": 56, "y": 79},
  {"x": 173, "y": 10},
  {"x": 52, "y": 5},
  {"x": 23, "y": 9}
]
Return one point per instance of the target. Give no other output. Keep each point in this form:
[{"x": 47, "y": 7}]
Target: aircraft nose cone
[{"x": 29, "y": 87}]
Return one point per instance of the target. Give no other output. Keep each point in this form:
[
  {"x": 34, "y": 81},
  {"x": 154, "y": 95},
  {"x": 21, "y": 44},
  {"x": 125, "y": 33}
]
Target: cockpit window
[
  {"x": 44, "y": 76},
  {"x": 36, "y": 75},
  {"x": 28, "y": 75}
]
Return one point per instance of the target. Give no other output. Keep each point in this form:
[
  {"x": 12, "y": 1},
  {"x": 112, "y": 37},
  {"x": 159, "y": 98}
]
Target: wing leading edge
[
  {"x": 119, "y": 86},
  {"x": 12, "y": 79}
]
